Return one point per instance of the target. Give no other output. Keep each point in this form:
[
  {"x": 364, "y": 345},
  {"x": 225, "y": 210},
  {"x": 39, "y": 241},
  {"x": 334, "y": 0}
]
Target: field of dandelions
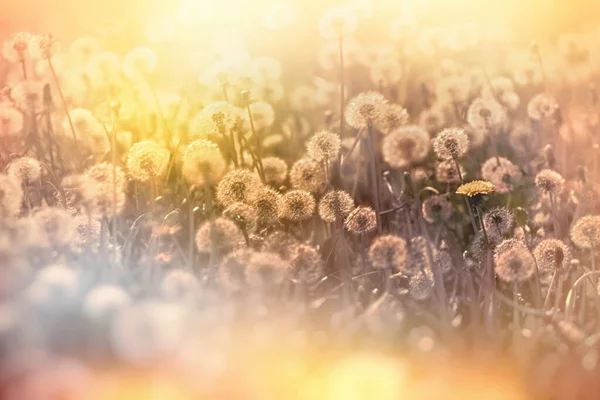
[{"x": 409, "y": 219}]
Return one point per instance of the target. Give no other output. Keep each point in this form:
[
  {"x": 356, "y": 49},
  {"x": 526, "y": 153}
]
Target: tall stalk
[
  {"x": 113, "y": 145},
  {"x": 467, "y": 201},
  {"x": 62, "y": 99},
  {"x": 258, "y": 160},
  {"x": 341, "y": 50},
  {"x": 375, "y": 172}
]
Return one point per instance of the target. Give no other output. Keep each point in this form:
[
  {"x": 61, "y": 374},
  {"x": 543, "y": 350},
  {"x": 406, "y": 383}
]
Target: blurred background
[
  {"x": 64, "y": 17},
  {"x": 181, "y": 30}
]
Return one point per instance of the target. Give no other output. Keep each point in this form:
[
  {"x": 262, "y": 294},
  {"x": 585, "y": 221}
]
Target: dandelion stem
[
  {"x": 570, "y": 300},
  {"x": 375, "y": 177},
  {"x": 113, "y": 138},
  {"x": 554, "y": 219},
  {"x": 467, "y": 201},
  {"x": 354, "y": 144},
  {"x": 168, "y": 133},
  {"x": 256, "y": 144},
  {"x": 341, "y": 51},
  {"x": 593, "y": 256},
  {"x": 23, "y": 68},
  {"x": 489, "y": 272},
  {"x": 550, "y": 287},
  {"x": 62, "y": 99}
]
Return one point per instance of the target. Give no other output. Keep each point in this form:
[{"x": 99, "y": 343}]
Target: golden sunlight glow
[{"x": 299, "y": 199}]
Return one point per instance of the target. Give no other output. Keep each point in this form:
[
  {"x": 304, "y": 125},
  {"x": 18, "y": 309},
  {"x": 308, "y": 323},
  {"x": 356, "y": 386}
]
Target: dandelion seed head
[
  {"x": 522, "y": 139},
  {"x": 265, "y": 270},
  {"x": 549, "y": 181},
  {"x": 263, "y": 115},
  {"x": 391, "y": 117},
  {"x": 58, "y": 225},
  {"x": 88, "y": 131},
  {"x": 297, "y": 205},
  {"x": 499, "y": 85},
  {"x": 104, "y": 301},
  {"x": 329, "y": 58},
  {"x": 527, "y": 72},
  {"x": 203, "y": 163},
  {"x": 419, "y": 174},
  {"x": 586, "y": 231},
  {"x": 541, "y": 107},
  {"x": 405, "y": 146},
  {"x": 74, "y": 200},
  {"x": 27, "y": 95},
  {"x": 107, "y": 175},
  {"x": 281, "y": 243},
  {"x": 232, "y": 270},
  {"x": 510, "y": 100},
  {"x": 433, "y": 119},
  {"x": 303, "y": 98},
  {"x": 265, "y": 69},
  {"x": 477, "y": 137},
  {"x": 84, "y": 48},
  {"x": 445, "y": 172},
  {"x": 147, "y": 331},
  {"x": 324, "y": 146},
  {"x": 389, "y": 252},
  {"x": 338, "y": 22},
  {"x": 17, "y": 48},
  {"x": 335, "y": 206},
  {"x": 220, "y": 236},
  {"x": 570, "y": 331},
  {"x": 444, "y": 258},
  {"x": 11, "y": 121},
  {"x": 180, "y": 284},
  {"x": 215, "y": 118},
  {"x": 498, "y": 221},
  {"x": 139, "y": 63},
  {"x": 361, "y": 220},
  {"x": 509, "y": 244},
  {"x": 279, "y": 16},
  {"x": 553, "y": 254},
  {"x": 418, "y": 254},
  {"x": 26, "y": 170},
  {"x": 307, "y": 174},
  {"x": 502, "y": 89},
  {"x": 385, "y": 71},
  {"x": 242, "y": 214},
  {"x": 436, "y": 209},
  {"x": 43, "y": 46},
  {"x": 104, "y": 69},
  {"x": 53, "y": 284},
  {"x": 502, "y": 173},
  {"x": 479, "y": 246},
  {"x": 453, "y": 89},
  {"x": 485, "y": 114},
  {"x": 515, "y": 265},
  {"x": 306, "y": 265},
  {"x": 238, "y": 185},
  {"x": 11, "y": 196},
  {"x": 451, "y": 144},
  {"x": 147, "y": 160},
  {"x": 87, "y": 233},
  {"x": 275, "y": 170},
  {"x": 420, "y": 285},
  {"x": 267, "y": 203},
  {"x": 364, "y": 109}
]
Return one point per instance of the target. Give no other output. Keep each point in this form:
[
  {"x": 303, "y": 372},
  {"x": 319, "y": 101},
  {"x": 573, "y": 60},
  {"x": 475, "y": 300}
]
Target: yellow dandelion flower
[{"x": 475, "y": 188}]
